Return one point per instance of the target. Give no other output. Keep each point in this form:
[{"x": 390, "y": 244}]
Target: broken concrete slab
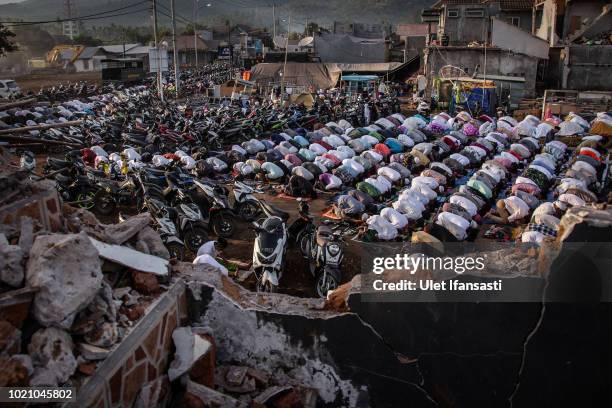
[
  {"x": 26, "y": 235},
  {"x": 131, "y": 258},
  {"x": 190, "y": 347},
  {"x": 51, "y": 349},
  {"x": 90, "y": 352},
  {"x": 11, "y": 266},
  {"x": 210, "y": 397},
  {"x": 67, "y": 271},
  {"x": 153, "y": 242},
  {"x": 119, "y": 233}
]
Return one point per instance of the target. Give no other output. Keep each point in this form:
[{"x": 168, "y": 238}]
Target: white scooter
[
  {"x": 246, "y": 205},
  {"x": 269, "y": 249}
]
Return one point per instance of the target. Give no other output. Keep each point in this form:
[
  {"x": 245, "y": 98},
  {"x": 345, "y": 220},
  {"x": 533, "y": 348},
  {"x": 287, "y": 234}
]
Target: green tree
[
  {"x": 87, "y": 40},
  {"x": 6, "y": 43}
]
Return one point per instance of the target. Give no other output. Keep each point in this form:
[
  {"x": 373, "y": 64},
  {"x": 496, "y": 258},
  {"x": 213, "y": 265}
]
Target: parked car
[{"x": 9, "y": 88}]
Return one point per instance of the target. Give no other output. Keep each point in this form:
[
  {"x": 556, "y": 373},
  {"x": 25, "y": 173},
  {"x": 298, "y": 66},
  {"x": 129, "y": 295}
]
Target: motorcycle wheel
[
  {"x": 176, "y": 250},
  {"x": 325, "y": 283},
  {"x": 104, "y": 204},
  {"x": 249, "y": 210},
  {"x": 85, "y": 199},
  {"x": 223, "y": 225},
  {"x": 303, "y": 242},
  {"x": 194, "y": 238}
]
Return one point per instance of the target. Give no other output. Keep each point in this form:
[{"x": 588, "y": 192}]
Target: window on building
[
  {"x": 474, "y": 12},
  {"x": 86, "y": 64},
  {"x": 515, "y": 21},
  {"x": 453, "y": 13}
]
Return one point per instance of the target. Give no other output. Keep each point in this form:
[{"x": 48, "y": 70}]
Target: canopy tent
[{"x": 314, "y": 75}]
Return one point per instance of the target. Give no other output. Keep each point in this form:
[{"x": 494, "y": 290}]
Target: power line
[{"x": 86, "y": 17}]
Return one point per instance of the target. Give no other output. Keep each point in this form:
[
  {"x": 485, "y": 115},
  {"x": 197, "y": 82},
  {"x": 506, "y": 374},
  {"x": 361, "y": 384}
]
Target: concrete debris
[
  {"x": 154, "y": 394},
  {"x": 26, "y": 361},
  {"x": 66, "y": 269},
  {"x": 190, "y": 348},
  {"x": 13, "y": 373},
  {"x": 235, "y": 375},
  {"x": 26, "y": 235},
  {"x": 145, "y": 283},
  {"x": 51, "y": 352},
  {"x": 10, "y": 339},
  {"x": 119, "y": 293},
  {"x": 210, "y": 397},
  {"x": 151, "y": 243},
  {"x": 87, "y": 368},
  {"x": 11, "y": 266},
  {"x": 90, "y": 352},
  {"x": 270, "y": 393},
  {"x": 104, "y": 335},
  {"x": 120, "y": 233},
  {"x": 131, "y": 258}
]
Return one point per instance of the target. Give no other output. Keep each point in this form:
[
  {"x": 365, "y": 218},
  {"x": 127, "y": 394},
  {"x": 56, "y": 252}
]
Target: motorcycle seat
[
  {"x": 58, "y": 163},
  {"x": 324, "y": 235},
  {"x": 275, "y": 212},
  {"x": 63, "y": 180},
  {"x": 155, "y": 172}
]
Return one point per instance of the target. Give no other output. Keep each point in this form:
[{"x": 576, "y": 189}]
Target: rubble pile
[{"x": 81, "y": 302}]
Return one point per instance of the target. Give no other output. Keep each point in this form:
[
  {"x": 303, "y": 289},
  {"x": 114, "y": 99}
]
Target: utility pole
[
  {"x": 176, "y": 63},
  {"x": 285, "y": 63},
  {"x": 159, "y": 68},
  {"x": 273, "y": 22},
  {"x": 195, "y": 34}
]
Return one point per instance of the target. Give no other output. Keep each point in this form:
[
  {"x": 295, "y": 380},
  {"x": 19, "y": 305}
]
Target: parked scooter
[
  {"x": 218, "y": 212},
  {"x": 245, "y": 204},
  {"x": 322, "y": 247},
  {"x": 269, "y": 249}
]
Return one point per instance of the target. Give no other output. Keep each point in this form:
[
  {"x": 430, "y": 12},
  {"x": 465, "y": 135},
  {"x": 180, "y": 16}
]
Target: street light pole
[
  {"x": 195, "y": 35},
  {"x": 285, "y": 63},
  {"x": 176, "y": 64},
  {"x": 159, "y": 73}
]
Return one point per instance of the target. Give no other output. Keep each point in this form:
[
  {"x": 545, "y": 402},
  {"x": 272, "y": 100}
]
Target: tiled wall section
[{"x": 141, "y": 357}]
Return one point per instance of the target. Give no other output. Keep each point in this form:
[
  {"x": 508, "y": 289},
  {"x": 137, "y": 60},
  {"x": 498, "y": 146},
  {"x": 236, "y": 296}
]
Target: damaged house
[
  {"x": 580, "y": 36},
  {"x": 488, "y": 40}
]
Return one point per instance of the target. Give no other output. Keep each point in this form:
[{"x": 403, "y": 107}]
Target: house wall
[
  {"x": 463, "y": 29},
  {"x": 587, "y": 67},
  {"x": 510, "y": 37},
  {"x": 523, "y": 16},
  {"x": 583, "y": 10},
  {"x": 499, "y": 62}
]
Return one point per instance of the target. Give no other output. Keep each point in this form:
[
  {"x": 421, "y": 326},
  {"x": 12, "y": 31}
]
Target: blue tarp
[{"x": 474, "y": 102}]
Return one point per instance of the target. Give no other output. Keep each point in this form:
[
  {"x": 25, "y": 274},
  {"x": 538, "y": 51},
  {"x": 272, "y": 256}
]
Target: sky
[{"x": 10, "y": 1}]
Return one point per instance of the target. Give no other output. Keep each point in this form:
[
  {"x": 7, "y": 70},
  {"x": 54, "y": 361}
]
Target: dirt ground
[
  {"x": 296, "y": 279},
  {"x": 33, "y": 82}
]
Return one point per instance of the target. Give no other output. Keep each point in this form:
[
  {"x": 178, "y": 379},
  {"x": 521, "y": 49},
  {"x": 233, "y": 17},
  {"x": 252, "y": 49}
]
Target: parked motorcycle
[
  {"x": 322, "y": 247},
  {"x": 269, "y": 249},
  {"x": 165, "y": 228},
  {"x": 219, "y": 215},
  {"x": 245, "y": 204}
]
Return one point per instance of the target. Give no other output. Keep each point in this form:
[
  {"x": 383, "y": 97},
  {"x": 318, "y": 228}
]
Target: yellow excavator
[{"x": 54, "y": 57}]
